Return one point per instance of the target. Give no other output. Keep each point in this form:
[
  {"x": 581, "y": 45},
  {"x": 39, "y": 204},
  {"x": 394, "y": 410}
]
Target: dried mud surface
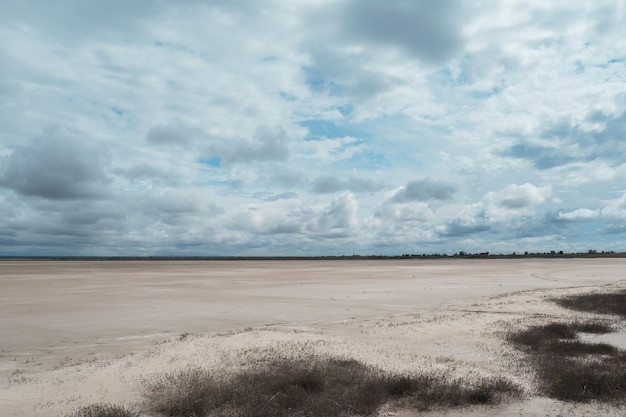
[{"x": 75, "y": 333}]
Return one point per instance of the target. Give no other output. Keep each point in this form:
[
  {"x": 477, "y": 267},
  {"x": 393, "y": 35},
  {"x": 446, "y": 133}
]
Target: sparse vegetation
[
  {"x": 313, "y": 387},
  {"x": 555, "y": 336},
  {"x": 603, "y": 303},
  {"x": 104, "y": 410},
  {"x": 572, "y": 370},
  {"x": 574, "y": 379}
]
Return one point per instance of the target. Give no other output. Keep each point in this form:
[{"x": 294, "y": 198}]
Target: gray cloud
[
  {"x": 338, "y": 219},
  {"x": 89, "y": 18},
  {"x": 330, "y": 184},
  {"x": 424, "y": 190},
  {"x": 542, "y": 157},
  {"x": 507, "y": 210},
  {"x": 275, "y": 219},
  {"x": 406, "y": 212},
  {"x": 564, "y": 143},
  {"x": 268, "y": 144},
  {"x": 615, "y": 228},
  {"x": 282, "y": 196},
  {"x": 151, "y": 173},
  {"x": 55, "y": 166},
  {"x": 457, "y": 228},
  {"x": 333, "y": 72},
  {"x": 429, "y": 30},
  {"x": 175, "y": 133}
]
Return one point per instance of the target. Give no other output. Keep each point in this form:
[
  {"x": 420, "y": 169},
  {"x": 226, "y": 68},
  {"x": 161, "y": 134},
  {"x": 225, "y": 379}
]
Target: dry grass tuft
[
  {"x": 603, "y": 303},
  {"x": 313, "y": 387},
  {"x": 104, "y": 410},
  {"x": 571, "y": 370}
]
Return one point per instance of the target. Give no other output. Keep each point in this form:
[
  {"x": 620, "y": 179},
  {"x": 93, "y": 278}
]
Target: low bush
[
  {"x": 188, "y": 393},
  {"x": 557, "y": 335},
  {"x": 603, "y": 303},
  {"x": 313, "y": 387},
  {"x": 572, "y": 370},
  {"x": 572, "y": 379},
  {"x": 578, "y": 348},
  {"x": 104, "y": 410}
]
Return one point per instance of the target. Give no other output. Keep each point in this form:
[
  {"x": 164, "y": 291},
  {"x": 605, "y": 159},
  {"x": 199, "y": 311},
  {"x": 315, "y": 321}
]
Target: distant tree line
[{"x": 591, "y": 253}]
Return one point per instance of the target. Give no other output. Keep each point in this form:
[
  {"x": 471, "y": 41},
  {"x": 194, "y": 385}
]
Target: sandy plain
[{"x": 75, "y": 333}]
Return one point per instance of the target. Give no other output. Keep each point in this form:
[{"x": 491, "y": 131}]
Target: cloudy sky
[{"x": 311, "y": 127}]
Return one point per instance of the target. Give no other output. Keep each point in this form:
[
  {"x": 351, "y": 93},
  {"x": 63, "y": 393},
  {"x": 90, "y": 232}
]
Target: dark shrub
[
  {"x": 313, "y": 388},
  {"x": 571, "y": 370},
  {"x": 608, "y": 303},
  {"x": 583, "y": 381},
  {"x": 104, "y": 410},
  {"x": 535, "y": 337},
  {"x": 188, "y": 393}
]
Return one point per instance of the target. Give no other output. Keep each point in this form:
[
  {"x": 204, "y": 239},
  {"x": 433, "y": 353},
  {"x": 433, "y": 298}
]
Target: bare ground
[{"x": 75, "y": 333}]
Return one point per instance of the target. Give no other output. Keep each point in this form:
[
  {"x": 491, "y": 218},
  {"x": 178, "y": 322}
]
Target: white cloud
[
  {"x": 515, "y": 197},
  {"x": 616, "y": 208},
  {"x": 424, "y": 190},
  {"x": 339, "y": 218},
  {"x": 405, "y": 212},
  {"x": 579, "y": 214},
  {"x": 501, "y": 210}
]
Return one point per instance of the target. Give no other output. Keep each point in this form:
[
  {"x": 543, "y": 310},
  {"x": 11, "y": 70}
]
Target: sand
[{"x": 75, "y": 333}]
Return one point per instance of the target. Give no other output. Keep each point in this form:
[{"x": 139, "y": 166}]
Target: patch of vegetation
[
  {"x": 572, "y": 379},
  {"x": 572, "y": 370},
  {"x": 578, "y": 348},
  {"x": 553, "y": 336},
  {"x": 313, "y": 387},
  {"x": 603, "y": 303},
  {"x": 104, "y": 410}
]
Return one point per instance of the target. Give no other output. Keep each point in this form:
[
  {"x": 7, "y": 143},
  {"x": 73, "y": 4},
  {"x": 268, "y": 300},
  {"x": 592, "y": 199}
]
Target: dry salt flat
[{"x": 75, "y": 333}]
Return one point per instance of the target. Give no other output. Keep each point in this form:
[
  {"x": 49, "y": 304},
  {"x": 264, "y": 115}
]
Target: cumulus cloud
[
  {"x": 331, "y": 184},
  {"x": 579, "y": 214},
  {"x": 338, "y": 219},
  {"x": 150, "y": 173},
  {"x": 505, "y": 209},
  {"x": 268, "y": 144},
  {"x": 332, "y": 71},
  {"x": 599, "y": 136},
  {"x": 429, "y": 30},
  {"x": 275, "y": 217},
  {"x": 92, "y": 18},
  {"x": 542, "y": 157},
  {"x": 615, "y": 208},
  {"x": 424, "y": 190},
  {"x": 172, "y": 203},
  {"x": 333, "y": 150},
  {"x": 405, "y": 212},
  {"x": 513, "y": 197},
  {"x": 463, "y": 227},
  {"x": 56, "y": 165},
  {"x": 175, "y": 133}
]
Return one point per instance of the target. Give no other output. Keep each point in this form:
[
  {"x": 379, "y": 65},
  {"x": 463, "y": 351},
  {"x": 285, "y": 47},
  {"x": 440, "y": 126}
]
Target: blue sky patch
[
  {"x": 214, "y": 161},
  {"x": 319, "y": 129}
]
